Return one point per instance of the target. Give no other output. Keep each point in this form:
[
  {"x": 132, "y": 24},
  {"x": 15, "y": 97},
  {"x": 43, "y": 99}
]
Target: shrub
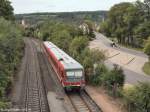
[
  {"x": 99, "y": 72},
  {"x": 146, "y": 68},
  {"x": 137, "y": 98},
  {"x": 147, "y": 48},
  {"x": 113, "y": 80},
  {"x": 114, "y": 77}
]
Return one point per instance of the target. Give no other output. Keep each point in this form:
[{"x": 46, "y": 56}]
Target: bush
[
  {"x": 3, "y": 105},
  {"x": 147, "y": 48},
  {"x": 138, "y": 98},
  {"x": 114, "y": 77},
  {"x": 97, "y": 56},
  {"x": 146, "y": 68},
  {"x": 113, "y": 80},
  {"x": 99, "y": 72}
]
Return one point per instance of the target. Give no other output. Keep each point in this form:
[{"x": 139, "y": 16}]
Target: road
[
  {"x": 107, "y": 42},
  {"x": 130, "y": 60},
  {"x": 131, "y": 76}
]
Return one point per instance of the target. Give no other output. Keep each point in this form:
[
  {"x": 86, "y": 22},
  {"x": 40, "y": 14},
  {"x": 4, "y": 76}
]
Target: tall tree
[
  {"x": 128, "y": 22},
  {"x": 147, "y": 8},
  {"x": 120, "y": 18},
  {"x": 77, "y": 45},
  {"x": 6, "y": 10},
  {"x": 91, "y": 28}
]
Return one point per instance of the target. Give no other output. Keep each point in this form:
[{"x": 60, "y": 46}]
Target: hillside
[{"x": 69, "y": 17}]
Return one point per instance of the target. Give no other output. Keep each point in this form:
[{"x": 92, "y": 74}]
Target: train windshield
[
  {"x": 74, "y": 74},
  {"x": 78, "y": 74}
]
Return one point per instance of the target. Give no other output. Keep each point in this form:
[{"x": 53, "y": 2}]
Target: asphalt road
[
  {"x": 107, "y": 42},
  {"x": 132, "y": 77}
]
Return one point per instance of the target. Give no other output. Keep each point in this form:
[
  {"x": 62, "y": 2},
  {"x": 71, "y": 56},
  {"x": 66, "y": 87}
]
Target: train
[{"x": 69, "y": 72}]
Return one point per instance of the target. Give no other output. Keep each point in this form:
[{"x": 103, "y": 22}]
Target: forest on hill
[{"x": 69, "y": 17}]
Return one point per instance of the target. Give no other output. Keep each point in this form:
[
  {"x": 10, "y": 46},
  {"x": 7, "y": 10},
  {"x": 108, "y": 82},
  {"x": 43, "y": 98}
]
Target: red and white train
[{"x": 69, "y": 71}]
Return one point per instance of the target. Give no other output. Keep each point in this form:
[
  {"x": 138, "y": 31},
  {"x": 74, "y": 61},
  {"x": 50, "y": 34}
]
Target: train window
[
  {"x": 70, "y": 74},
  {"x": 78, "y": 73}
]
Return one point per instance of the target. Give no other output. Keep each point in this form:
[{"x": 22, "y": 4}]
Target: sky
[{"x": 30, "y": 6}]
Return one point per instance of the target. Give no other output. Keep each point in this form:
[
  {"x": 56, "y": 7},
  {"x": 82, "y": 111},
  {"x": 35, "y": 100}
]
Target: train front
[{"x": 74, "y": 79}]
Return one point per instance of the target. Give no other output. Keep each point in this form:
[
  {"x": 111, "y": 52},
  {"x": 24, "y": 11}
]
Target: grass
[{"x": 146, "y": 68}]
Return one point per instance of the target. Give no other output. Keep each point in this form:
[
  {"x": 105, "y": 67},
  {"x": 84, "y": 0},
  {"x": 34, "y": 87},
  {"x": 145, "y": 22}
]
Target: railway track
[
  {"x": 33, "y": 94},
  {"x": 48, "y": 70},
  {"x": 78, "y": 103},
  {"x": 82, "y": 102}
]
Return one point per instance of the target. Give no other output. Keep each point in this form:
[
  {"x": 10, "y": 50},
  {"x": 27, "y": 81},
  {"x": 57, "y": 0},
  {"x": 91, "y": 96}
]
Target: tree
[
  {"x": 78, "y": 45},
  {"x": 105, "y": 28},
  {"x": 6, "y": 10},
  {"x": 97, "y": 56},
  {"x": 92, "y": 60},
  {"x": 128, "y": 23},
  {"x": 147, "y": 8},
  {"x": 114, "y": 79},
  {"x": 130, "y": 20},
  {"x": 142, "y": 31},
  {"x": 99, "y": 72},
  {"x": 100, "y": 69},
  {"x": 91, "y": 28},
  {"x": 61, "y": 39},
  {"x": 120, "y": 22}
]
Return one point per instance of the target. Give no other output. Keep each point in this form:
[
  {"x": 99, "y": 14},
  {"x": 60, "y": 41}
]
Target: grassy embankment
[{"x": 146, "y": 68}]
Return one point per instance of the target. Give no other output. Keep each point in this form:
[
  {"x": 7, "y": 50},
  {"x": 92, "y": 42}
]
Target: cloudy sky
[{"x": 28, "y": 6}]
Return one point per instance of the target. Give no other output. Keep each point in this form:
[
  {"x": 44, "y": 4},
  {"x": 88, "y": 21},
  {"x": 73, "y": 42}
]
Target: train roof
[{"x": 68, "y": 62}]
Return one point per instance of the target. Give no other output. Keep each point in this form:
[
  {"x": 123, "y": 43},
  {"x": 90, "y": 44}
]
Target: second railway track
[{"x": 33, "y": 94}]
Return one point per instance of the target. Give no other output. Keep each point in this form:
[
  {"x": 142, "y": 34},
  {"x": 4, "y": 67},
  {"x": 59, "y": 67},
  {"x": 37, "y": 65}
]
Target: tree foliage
[
  {"x": 114, "y": 78},
  {"x": 6, "y": 10},
  {"x": 71, "y": 39},
  {"x": 128, "y": 22},
  {"x": 11, "y": 47},
  {"x": 147, "y": 48},
  {"x": 138, "y": 98},
  {"x": 77, "y": 45},
  {"x": 90, "y": 25},
  {"x": 66, "y": 17}
]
